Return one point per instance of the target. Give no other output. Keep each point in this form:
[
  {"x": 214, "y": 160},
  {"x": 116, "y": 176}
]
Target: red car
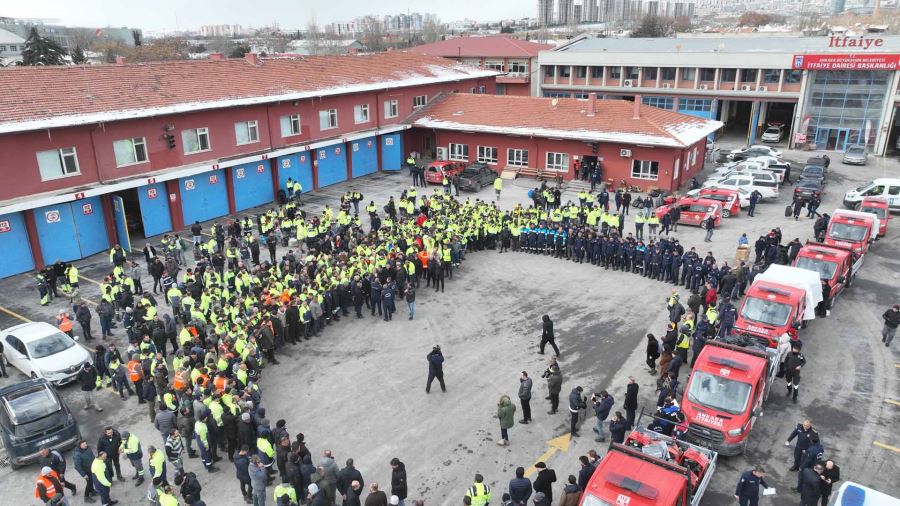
[
  {"x": 693, "y": 211},
  {"x": 434, "y": 171},
  {"x": 730, "y": 199},
  {"x": 879, "y": 207}
]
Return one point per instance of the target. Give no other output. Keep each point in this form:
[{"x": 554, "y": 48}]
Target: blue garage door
[
  {"x": 295, "y": 166},
  {"x": 203, "y": 196},
  {"x": 391, "y": 151},
  {"x": 72, "y": 230},
  {"x": 252, "y": 184},
  {"x": 364, "y": 155},
  {"x": 155, "y": 209},
  {"x": 332, "y": 166},
  {"x": 14, "y": 245},
  {"x": 121, "y": 222}
]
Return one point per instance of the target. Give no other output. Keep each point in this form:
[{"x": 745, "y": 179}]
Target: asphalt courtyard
[{"x": 359, "y": 389}]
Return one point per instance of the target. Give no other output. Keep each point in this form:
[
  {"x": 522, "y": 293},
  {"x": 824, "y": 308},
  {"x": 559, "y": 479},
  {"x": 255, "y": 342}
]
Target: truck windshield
[
  {"x": 719, "y": 393},
  {"x": 877, "y": 211},
  {"x": 765, "y": 311},
  {"x": 590, "y": 500},
  {"x": 847, "y": 232},
  {"x": 825, "y": 269}
]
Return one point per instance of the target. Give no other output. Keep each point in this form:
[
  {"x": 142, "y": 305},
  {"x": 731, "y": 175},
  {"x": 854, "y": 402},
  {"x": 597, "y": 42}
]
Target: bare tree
[
  {"x": 313, "y": 37},
  {"x": 373, "y": 34},
  {"x": 432, "y": 31}
]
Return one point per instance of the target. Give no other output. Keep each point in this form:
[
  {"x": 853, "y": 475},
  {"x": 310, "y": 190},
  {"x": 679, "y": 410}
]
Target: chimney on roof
[
  {"x": 637, "y": 108},
  {"x": 252, "y": 58},
  {"x": 592, "y": 105},
  {"x": 120, "y": 60},
  {"x": 216, "y": 56}
]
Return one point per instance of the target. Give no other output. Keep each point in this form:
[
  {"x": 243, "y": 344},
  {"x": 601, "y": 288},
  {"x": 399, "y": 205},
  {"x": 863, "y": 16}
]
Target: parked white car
[
  {"x": 738, "y": 166},
  {"x": 754, "y": 150},
  {"x": 774, "y": 133},
  {"x": 747, "y": 183},
  {"x": 40, "y": 350}
]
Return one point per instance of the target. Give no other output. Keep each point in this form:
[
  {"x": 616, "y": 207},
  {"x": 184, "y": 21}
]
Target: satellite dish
[{"x": 554, "y": 102}]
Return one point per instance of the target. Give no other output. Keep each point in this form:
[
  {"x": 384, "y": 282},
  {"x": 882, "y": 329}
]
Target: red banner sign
[{"x": 847, "y": 61}]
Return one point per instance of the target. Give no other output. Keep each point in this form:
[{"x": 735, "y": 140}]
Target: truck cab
[
  {"x": 852, "y": 229},
  {"x": 886, "y": 187},
  {"x": 651, "y": 469},
  {"x": 879, "y": 207},
  {"x": 769, "y": 309},
  {"x": 836, "y": 265},
  {"x": 725, "y": 393}
]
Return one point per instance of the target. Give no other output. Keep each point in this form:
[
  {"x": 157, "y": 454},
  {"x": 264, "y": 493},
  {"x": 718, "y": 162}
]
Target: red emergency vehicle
[
  {"x": 693, "y": 211},
  {"x": 730, "y": 199},
  {"x": 651, "y": 469},
  {"x": 435, "y": 171},
  {"x": 832, "y": 263},
  {"x": 852, "y": 229},
  {"x": 726, "y": 390},
  {"x": 780, "y": 298},
  {"x": 879, "y": 207}
]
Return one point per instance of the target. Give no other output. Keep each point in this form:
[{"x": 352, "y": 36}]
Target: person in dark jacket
[
  {"x": 398, "y": 480},
  {"x": 525, "y": 385},
  {"x": 813, "y": 455},
  {"x": 87, "y": 377},
  {"x": 346, "y": 477},
  {"x": 554, "y": 385},
  {"x": 242, "y": 473},
  {"x": 109, "y": 442},
  {"x": 519, "y": 488},
  {"x": 190, "y": 487},
  {"x": 811, "y": 490},
  {"x": 55, "y": 461},
  {"x": 831, "y": 474},
  {"x": 747, "y": 491},
  {"x": 803, "y": 432},
  {"x": 435, "y": 368},
  {"x": 891, "y": 319},
  {"x": 587, "y": 470},
  {"x": 376, "y": 497},
  {"x": 547, "y": 335},
  {"x": 652, "y": 353},
  {"x": 618, "y": 426},
  {"x": 82, "y": 458},
  {"x": 544, "y": 481},
  {"x": 631, "y": 401},
  {"x": 83, "y": 316},
  {"x": 576, "y": 404},
  {"x": 602, "y": 404}
]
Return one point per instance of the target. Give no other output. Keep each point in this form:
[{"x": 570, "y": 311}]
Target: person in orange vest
[
  {"x": 64, "y": 322},
  {"x": 220, "y": 381},
  {"x": 48, "y": 488},
  {"x": 136, "y": 375},
  {"x": 180, "y": 380}
]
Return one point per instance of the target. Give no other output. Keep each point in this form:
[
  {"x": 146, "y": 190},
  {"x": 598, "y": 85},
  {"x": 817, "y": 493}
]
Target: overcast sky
[{"x": 167, "y": 15}]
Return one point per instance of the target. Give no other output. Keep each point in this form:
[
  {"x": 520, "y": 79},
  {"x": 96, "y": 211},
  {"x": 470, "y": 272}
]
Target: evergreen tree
[
  {"x": 78, "y": 57},
  {"x": 42, "y": 51}
]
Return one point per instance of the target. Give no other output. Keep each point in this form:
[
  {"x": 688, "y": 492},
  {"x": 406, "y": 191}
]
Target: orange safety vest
[
  {"x": 134, "y": 370},
  {"x": 423, "y": 257},
  {"x": 220, "y": 382},
  {"x": 180, "y": 380},
  {"x": 202, "y": 380},
  {"x": 48, "y": 485},
  {"x": 65, "y": 324}
]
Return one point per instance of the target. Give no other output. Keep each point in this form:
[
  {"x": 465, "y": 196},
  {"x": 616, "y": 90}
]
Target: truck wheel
[
  {"x": 726, "y": 213},
  {"x": 850, "y": 280},
  {"x": 804, "y": 324}
]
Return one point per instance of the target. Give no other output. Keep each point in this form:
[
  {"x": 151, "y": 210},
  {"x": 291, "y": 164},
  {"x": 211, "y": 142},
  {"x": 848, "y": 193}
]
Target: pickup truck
[
  {"x": 781, "y": 297},
  {"x": 725, "y": 393},
  {"x": 835, "y": 264},
  {"x": 852, "y": 229},
  {"x": 651, "y": 469}
]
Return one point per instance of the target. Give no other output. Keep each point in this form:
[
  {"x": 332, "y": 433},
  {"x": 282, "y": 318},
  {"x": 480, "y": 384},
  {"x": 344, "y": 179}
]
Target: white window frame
[
  {"x": 290, "y": 125},
  {"x": 61, "y": 155},
  {"x": 487, "y": 154},
  {"x": 328, "y": 119},
  {"x": 133, "y": 144},
  {"x": 517, "y": 157},
  {"x": 494, "y": 65},
  {"x": 361, "y": 113},
  {"x": 482, "y": 90},
  {"x": 251, "y": 126},
  {"x": 557, "y": 161},
  {"x": 420, "y": 101},
  {"x": 644, "y": 170},
  {"x": 198, "y": 134},
  {"x": 517, "y": 67},
  {"x": 391, "y": 108},
  {"x": 458, "y": 152},
  {"x": 678, "y": 167}
]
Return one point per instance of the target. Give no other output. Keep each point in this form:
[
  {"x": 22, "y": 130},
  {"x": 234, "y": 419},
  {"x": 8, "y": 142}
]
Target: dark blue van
[{"x": 32, "y": 415}]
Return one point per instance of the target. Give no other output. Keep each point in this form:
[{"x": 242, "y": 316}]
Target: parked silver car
[{"x": 855, "y": 155}]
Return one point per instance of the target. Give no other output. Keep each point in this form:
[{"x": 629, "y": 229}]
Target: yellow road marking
[
  {"x": 886, "y": 447},
  {"x": 14, "y": 314},
  {"x": 889, "y": 401},
  {"x": 556, "y": 444},
  {"x": 89, "y": 279}
]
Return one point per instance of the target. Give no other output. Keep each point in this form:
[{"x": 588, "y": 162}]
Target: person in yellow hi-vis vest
[{"x": 498, "y": 185}]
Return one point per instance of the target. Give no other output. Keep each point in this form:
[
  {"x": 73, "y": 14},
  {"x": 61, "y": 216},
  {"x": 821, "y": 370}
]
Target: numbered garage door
[
  {"x": 14, "y": 244},
  {"x": 72, "y": 230},
  {"x": 364, "y": 156},
  {"x": 332, "y": 164},
  {"x": 252, "y": 184},
  {"x": 295, "y": 166},
  {"x": 392, "y": 151},
  {"x": 203, "y": 197},
  {"x": 155, "y": 209}
]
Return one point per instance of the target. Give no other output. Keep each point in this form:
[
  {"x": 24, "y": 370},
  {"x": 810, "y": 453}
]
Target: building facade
[
  {"x": 110, "y": 151},
  {"x": 828, "y": 92},
  {"x": 515, "y": 59},
  {"x": 634, "y": 144}
]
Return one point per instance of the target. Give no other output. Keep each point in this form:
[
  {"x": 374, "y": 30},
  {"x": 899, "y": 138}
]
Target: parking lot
[{"x": 359, "y": 389}]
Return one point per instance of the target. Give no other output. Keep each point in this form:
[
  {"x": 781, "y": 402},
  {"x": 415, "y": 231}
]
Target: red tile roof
[
  {"x": 494, "y": 46},
  {"x": 47, "y": 97},
  {"x": 563, "y": 118}
]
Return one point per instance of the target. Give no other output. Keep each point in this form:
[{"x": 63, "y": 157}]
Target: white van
[
  {"x": 886, "y": 187},
  {"x": 854, "y": 494},
  {"x": 766, "y": 186}
]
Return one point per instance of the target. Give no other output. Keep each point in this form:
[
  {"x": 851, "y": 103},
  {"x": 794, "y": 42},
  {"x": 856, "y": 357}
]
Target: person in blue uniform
[{"x": 747, "y": 492}]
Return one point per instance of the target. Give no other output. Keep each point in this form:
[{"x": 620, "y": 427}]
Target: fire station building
[
  {"x": 827, "y": 92},
  {"x": 642, "y": 145},
  {"x": 96, "y": 154}
]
